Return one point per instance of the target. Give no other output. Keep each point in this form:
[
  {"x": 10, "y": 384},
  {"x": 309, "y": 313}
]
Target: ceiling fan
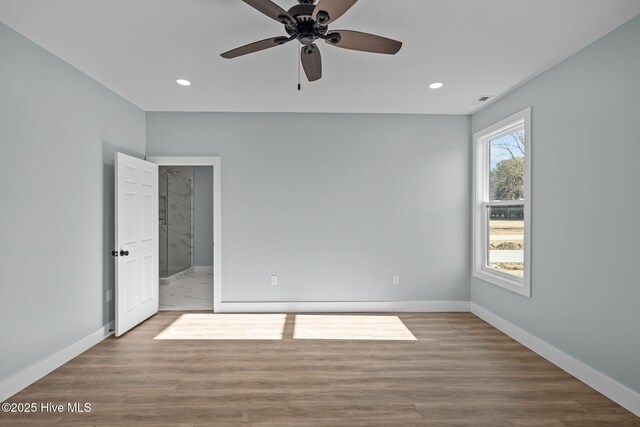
[{"x": 307, "y": 23}]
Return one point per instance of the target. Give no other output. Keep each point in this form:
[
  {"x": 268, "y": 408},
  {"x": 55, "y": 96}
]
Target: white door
[{"x": 136, "y": 253}]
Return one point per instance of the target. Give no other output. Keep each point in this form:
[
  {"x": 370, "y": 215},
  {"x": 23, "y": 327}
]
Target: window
[{"x": 502, "y": 203}]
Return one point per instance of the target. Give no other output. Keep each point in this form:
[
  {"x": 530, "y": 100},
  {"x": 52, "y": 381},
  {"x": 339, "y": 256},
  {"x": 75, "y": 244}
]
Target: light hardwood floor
[{"x": 459, "y": 371}]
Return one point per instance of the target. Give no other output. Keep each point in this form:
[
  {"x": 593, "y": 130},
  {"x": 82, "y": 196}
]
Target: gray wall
[
  {"x": 203, "y": 216},
  {"x": 335, "y": 205},
  {"x": 58, "y": 132},
  {"x": 586, "y": 233}
]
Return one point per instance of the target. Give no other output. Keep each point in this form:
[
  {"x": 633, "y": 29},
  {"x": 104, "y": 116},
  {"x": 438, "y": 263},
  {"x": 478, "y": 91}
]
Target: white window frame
[{"x": 481, "y": 201}]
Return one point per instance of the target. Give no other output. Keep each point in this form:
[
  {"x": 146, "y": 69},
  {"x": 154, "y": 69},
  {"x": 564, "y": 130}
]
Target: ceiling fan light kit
[{"x": 308, "y": 22}]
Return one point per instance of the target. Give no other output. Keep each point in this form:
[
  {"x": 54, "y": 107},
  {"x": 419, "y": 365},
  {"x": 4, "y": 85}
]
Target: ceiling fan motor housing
[
  {"x": 306, "y": 29},
  {"x": 302, "y": 10}
]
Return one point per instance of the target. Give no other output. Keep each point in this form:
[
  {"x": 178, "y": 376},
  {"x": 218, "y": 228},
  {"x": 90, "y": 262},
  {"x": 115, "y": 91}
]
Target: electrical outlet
[
  {"x": 396, "y": 280},
  {"x": 274, "y": 280},
  {"x": 109, "y": 295}
]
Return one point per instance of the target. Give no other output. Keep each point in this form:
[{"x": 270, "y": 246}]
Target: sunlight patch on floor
[
  {"x": 210, "y": 326},
  {"x": 337, "y": 327}
]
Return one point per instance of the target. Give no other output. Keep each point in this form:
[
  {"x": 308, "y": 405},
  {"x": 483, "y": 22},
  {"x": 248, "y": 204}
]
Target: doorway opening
[
  {"x": 185, "y": 231},
  {"x": 189, "y": 234}
]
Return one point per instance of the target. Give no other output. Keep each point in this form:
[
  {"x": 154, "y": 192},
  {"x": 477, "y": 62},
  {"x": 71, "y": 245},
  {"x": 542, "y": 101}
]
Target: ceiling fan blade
[
  {"x": 333, "y": 8},
  {"x": 270, "y": 9},
  {"x": 312, "y": 62},
  {"x": 364, "y": 42},
  {"x": 255, "y": 47}
]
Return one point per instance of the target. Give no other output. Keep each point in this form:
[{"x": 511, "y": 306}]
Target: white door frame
[{"x": 217, "y": 213}]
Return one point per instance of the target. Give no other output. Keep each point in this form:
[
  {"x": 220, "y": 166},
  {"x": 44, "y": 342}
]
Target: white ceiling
[{"x": 477, "y": 47}]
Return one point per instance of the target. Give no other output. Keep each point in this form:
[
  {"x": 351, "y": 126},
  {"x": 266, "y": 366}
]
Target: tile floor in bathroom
[{"x": 192, "y": 292}]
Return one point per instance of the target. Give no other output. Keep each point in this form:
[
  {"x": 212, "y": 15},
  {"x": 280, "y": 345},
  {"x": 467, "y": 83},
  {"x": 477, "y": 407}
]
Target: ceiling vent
[{"x": 482, "y": 100}]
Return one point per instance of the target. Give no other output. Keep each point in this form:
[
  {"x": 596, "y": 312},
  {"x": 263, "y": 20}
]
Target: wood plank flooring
[{"x": 459, "y": 371}]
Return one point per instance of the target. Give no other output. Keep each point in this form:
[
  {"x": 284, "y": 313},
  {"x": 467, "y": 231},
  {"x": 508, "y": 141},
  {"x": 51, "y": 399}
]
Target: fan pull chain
[{"x": 299, "y": 58}]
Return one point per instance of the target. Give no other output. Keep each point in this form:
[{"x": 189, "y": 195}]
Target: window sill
[{"x": 515, "y": 285}]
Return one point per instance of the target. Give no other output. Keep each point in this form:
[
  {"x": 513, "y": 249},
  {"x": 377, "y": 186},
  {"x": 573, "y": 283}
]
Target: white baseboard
[
  {"x": 203, "y": 269},
  {"x": 615, "y": 391},
  {"x": 343, "y": 307},
  {"x": 33, "y": 373}
]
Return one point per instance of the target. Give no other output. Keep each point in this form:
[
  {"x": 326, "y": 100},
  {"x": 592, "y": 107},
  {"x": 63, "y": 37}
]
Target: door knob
[
  {"x": 124, "y": 253},
  {"x": 114, "y": 253}
]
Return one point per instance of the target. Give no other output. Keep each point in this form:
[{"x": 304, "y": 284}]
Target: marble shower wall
[{"x": 176, "y": 219}]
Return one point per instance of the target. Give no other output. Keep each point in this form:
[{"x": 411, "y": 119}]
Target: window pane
[
  {"x": 506, "y": 239},
  {"x": 506, "y": 176}
]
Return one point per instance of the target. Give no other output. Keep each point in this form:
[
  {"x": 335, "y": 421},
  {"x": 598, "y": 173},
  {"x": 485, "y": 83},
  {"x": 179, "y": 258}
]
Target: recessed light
[
  {"x": 183, "y": 82},
  {"x": 436, "y": 85}
]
